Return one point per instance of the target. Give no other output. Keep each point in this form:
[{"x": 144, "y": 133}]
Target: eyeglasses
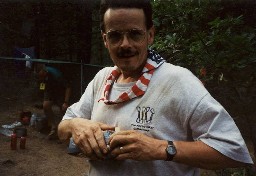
[{"x": 115, "y": 37}]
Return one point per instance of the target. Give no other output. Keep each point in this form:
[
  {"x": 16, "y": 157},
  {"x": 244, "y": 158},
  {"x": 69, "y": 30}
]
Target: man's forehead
[
  {"x": 115, "y": 17},
  {"x": 112, "y": 11}
]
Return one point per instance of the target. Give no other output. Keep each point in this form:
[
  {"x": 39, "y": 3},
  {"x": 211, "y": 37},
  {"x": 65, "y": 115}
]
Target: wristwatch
[{"x": 170, "y": 151}]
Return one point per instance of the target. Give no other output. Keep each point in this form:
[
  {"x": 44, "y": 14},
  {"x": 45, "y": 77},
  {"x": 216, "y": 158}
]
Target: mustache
[{"x": 126, "y": 52}]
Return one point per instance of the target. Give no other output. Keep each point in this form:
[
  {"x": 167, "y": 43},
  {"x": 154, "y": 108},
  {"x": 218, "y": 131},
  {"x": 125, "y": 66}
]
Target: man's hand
[
  {"x": 88, "y": 136},
  {"x": 136, "y": 146}
]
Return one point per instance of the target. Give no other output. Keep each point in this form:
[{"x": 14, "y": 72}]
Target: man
[
  {"x": 56, "y": 91},
  {"x": 169, "y": 123}
]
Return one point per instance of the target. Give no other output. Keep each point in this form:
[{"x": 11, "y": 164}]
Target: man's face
[{"x": 127, "y": 38}]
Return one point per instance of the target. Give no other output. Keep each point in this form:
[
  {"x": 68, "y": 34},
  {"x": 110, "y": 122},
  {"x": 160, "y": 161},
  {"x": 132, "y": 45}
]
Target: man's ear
[
  {"x": 151, "y": 35},
  {"x": 104, "y": 39}
]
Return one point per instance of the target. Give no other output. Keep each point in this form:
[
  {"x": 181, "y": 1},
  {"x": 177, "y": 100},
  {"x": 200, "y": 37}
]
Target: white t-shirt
[{"x": 176, "y": 107}]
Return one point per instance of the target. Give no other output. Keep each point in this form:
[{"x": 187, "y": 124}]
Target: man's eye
[
  {"x": 114, "y": 35},
  {"x": 136, "y": 34}
]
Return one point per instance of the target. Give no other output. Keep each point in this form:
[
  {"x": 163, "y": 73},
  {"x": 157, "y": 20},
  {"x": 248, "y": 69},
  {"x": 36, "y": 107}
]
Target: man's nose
[{"x": 125, "y": 41}]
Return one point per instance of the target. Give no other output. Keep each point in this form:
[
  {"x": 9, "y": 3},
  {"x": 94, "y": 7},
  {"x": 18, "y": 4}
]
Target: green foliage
[
  {"x": 215, "y": 36},
  {"x": 193, "y": 35}
]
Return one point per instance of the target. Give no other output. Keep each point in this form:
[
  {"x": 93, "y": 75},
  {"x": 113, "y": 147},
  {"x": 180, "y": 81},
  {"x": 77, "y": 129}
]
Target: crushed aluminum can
[
  {"x": 72, "y": 148},
  {"x": 107, "y": 135}
]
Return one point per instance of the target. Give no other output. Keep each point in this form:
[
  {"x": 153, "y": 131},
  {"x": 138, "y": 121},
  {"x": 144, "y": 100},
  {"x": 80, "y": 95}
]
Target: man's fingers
[
  {"x": 106, "y": 127},
  {"x": 88, "y": 143},
  {"x": 85, "y": 147},
  {"x": 101, "y": 142},
  {"x": 120, "y": 139},
  {"x": 95, "y": 147},
  {"x": 122, "y": 153},
  {"x": 89, "y": 137}
]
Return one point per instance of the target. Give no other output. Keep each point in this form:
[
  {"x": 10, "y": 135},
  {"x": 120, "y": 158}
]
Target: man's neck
[
  {"x": 130, "y": 76},
  {"x": 126, "y": 79}
]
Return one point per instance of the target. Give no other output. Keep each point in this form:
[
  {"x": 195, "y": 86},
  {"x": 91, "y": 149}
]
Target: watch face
[{"x": 171, "y": 150}]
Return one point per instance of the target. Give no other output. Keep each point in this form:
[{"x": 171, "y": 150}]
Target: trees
[
  {"x": 58, "y": 30},
  {"x": 216, "y": 40}
]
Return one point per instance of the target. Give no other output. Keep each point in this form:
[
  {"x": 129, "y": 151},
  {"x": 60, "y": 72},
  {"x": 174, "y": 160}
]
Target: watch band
[{"x": 170, "y": 153}]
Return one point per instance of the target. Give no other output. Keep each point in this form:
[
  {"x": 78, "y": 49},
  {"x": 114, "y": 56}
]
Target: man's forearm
[{"x": 200, "y": 155}]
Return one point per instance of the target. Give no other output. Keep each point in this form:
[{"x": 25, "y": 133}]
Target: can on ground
[{"x": 13, "y": 141}]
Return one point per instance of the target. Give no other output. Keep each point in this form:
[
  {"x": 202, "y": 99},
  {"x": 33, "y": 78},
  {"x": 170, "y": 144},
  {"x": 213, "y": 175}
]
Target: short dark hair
[{"x": 145, "y": 5}]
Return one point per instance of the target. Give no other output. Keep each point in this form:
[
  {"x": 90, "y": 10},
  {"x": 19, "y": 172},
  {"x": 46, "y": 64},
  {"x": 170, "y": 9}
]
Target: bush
[{"x": 216, "y": 40}]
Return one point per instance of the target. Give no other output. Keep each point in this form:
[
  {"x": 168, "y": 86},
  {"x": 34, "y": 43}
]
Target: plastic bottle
[
  {"x": 13, "y": 141},
  {"x": 33, "y": 120}
]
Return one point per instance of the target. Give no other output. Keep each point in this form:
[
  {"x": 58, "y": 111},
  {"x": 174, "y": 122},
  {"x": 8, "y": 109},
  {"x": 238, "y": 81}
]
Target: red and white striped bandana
[{"x": 139, "y": 88}]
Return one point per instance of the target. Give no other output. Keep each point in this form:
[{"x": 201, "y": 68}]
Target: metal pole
[{"x": 82, "y": 76}]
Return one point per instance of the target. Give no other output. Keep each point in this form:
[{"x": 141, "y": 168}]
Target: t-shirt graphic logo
[{"x": 145, "y": 115}]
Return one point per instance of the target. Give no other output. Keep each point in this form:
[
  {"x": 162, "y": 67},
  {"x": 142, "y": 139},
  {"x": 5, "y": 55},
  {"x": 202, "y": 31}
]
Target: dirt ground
[{"x": 41, "y": 156}]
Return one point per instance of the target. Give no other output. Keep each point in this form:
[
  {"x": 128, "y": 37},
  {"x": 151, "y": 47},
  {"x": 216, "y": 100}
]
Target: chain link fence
[{"x": 19, "y": 84}]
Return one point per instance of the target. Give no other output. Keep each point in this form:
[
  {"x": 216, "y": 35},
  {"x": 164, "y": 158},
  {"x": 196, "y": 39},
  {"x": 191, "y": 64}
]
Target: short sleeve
[{"x": 217, "y": 129}]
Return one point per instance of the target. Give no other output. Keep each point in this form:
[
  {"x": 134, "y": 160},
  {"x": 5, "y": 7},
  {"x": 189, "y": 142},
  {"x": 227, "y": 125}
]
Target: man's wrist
[
  {"x": 160, "y": 153},
  {"x": 171, "y": 151}
]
